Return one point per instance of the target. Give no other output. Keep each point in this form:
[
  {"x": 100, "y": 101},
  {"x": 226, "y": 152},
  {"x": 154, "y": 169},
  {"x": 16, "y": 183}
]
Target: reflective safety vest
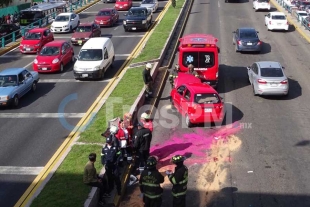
[
  {"x": 179, "y": 180},
  {"x": 150, "y": 183}
]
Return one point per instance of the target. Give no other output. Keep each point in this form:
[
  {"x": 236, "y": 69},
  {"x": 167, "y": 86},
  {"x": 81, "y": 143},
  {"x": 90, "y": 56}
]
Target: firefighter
[
  {"x": 192, "y": 71},
  {"x": 150, "y": 180},
  {"x": 109, "y": 158},
  {"x": 148, "y": 80},
  {"x": 146, "y": 120},
  {"x": 142, "y": 144},
  {"x": 179, "y": 181},
  {"x": 174, "y": 74}
]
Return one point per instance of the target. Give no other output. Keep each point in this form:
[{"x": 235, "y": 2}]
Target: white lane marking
[
  {"x": 11, "y": 51},
  {"x": 29, "y": 64},
  {"x": 92, "y": 12},
  {"x": 115, "y": 28},
  {"x": 41, "y": 115},
  {"x": 69, "y": 37},
  {"x": 122, "y": 55},
  {"x": 127, "y": 36},
  {"x": 15, "y": 170},
  {"x": 18, "y": 56},
  {"x": 69, "y": 81},
  {"x": 63, "y": 74}
]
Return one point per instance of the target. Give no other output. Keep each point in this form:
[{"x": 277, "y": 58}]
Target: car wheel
[
  {"x": 34, "y": 86},
  {"x": 15, "y": 101},
  {"x": 101, "y": 75},
  {"x": 61, "y": 68},
  {"x": 188, "y": 122}
]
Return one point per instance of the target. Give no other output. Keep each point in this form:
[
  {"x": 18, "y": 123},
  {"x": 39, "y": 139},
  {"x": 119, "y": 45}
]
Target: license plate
[
  {"x": 101, "y": 22},
  {"x": 121, "y": 7},
  {"x": 249, "y": 43},
  {"x": 84, "y": 75},
  {"x": 44, "y": 68},
  {"x": 28, "y": 49},
  {"x": 80, "y": 41},
  {"x": 273, "y": 84},
  {"x": 133, "y": 28},
  {"x": 208, "y": 110}
]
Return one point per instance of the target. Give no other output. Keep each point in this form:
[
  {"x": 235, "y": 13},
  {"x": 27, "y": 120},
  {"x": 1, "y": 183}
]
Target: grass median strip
[{"x": 66, "y": 187}]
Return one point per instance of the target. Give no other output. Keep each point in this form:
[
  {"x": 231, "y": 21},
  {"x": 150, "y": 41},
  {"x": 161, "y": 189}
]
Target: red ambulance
[{"x": 201, "y": 51}]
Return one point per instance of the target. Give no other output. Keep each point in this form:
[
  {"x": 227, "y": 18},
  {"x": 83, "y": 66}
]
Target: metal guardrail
[
  {"x": 292, "y": 10},
  {"x": 12, "y": 37}
]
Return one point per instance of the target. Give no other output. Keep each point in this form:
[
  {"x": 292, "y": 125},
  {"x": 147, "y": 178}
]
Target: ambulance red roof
[{"x": 199, "y": 39}]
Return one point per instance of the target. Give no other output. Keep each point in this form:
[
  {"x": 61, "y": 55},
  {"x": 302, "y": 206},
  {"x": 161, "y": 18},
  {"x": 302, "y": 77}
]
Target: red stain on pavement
[{"x": 193, "y": 145}]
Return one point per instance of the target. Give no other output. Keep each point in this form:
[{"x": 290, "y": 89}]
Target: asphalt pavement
[
  {"x": 259, "y": 156},
  {"x": 32, "y": 133}
]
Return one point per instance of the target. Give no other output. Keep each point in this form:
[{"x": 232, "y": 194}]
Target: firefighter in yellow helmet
[{"x": 179, "y": 181}]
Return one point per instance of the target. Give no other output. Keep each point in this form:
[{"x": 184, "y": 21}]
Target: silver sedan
[{"x": 268, "y": 78}]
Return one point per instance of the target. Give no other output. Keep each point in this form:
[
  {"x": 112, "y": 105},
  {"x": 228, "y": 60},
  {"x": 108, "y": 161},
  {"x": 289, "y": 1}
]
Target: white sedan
[
  {"x": 276, "y": 21},
  {"x": 150, "y": 5},
  {"x": 65, "y": 22},
  {"x": 301, "y": 15},
  {"x": 261, "y": 4}
]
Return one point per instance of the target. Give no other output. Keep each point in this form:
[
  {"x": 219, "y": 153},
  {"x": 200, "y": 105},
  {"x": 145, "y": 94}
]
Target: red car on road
[
  {"x": 123, "y": 5},
  {"x": 84, "y": 32},
  {"x": 107, "y": 17},
  {"x": 53, "y": 57},
  {"x": 197, "y": 102},
  {"x": 35, "y": 39}
]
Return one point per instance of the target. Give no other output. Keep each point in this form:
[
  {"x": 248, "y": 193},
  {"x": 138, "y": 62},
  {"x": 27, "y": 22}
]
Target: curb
[
  {"x": 17, "y": 42},
  {"x": 297, "y": 27}
]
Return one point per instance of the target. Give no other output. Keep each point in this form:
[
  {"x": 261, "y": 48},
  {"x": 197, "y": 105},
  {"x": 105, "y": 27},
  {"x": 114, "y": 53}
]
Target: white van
[{"x": 95, "y": 57}]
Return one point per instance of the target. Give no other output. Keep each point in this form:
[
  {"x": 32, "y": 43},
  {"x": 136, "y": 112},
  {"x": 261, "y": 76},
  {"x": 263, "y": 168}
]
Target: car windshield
[
  {"x": 265, "y": 1},
  {"x": 147, "y": 1},
  {"x": 83, "y": 29},
  {"x": 207, "y": 98},
  {"x": 271, "y": 72},
  {"x": 104, "y": 13},
  {"x": 136, "y": 12},
  {"x": 8, "y": 80},
  {"x": 62, "y": 18},
  {"x": 303, "y": 14},
  {"x": 198, "y": 59},
  {"x": 248, "y": 34},
  {"x": 278, "y": 17},
  {"x": 90, "y": 55},
  {"x": 49, "y": 51},
  {"x": 32, "y": 36}
]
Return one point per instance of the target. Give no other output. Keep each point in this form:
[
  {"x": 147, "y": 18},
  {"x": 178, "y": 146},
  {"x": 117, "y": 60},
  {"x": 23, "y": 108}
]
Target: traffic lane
[
  {"x": 12, "y": 188},
  {"x": 278, "y": 124}
]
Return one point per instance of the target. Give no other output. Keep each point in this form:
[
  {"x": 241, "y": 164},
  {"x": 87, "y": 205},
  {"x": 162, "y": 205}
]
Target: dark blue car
[{"x": 246, "y": 39}]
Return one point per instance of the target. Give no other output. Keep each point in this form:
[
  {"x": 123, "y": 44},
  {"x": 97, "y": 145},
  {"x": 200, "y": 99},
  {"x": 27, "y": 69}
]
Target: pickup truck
[{"x": 137, "y": 18}]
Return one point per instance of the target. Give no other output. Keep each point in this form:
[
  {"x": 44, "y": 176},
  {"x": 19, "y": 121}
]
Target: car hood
[
  {"x": 46, "y": 59},
  {"x": 81, "y": 34},
  {"x": 88, "y": 65},
  {"x": 5, "y": 91},
  {"x": 122, "y": 3},
  {"x": 136, "y": 18},
  {"x": 185, "y": 78},
  {"x": 59, "y": 24},
  {"x": 29, "y": 42},
  {"x": 104, "y": 18},
  {"x": 147, "y": 5}
]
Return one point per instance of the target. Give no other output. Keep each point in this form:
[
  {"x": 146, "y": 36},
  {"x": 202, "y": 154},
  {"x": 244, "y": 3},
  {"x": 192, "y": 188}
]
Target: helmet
[
  {"x": 109, "y": 139},
  {"x": 145, "y": 116},
  {"x": 191, "y": 66},
  {"x": 113, "y": 129},
  {"x": 148, "y": 65},
  {"x": 151, "y": 162},
  {"x": 177, "y": 159}
]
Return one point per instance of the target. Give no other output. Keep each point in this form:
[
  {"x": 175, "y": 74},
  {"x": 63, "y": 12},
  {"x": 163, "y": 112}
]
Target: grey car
[
  {"x": 246, "y": 39},
  {"x": 268, "y": 78}
]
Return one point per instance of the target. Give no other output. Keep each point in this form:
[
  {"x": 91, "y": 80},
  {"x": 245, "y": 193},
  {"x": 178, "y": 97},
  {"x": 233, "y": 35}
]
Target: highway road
[
  {"x": 32, "y": 133},
  {"x": 258, "y": 157}
]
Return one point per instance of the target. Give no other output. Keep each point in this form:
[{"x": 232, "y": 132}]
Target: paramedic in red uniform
[
  {"x": 146, "y": 120},
  {"x": 124, "y": 135}
]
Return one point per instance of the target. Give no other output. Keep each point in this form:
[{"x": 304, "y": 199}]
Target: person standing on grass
[{"x": 91, "y": 178}]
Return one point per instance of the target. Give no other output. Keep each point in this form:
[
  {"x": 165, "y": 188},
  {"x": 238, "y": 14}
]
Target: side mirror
[{"x": 249, "y": 67}]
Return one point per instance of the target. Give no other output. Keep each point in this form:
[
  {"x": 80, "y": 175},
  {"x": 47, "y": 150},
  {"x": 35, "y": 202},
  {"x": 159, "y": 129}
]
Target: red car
[
  {"x": 35, "y": 39},
  {"x": 107, "y": 17},
  {"x": 123, "y": 5},
  {"x": 53, "y": 57},
  {"x": 84, "y": 32},
  {"x": 197, "y": 102}
]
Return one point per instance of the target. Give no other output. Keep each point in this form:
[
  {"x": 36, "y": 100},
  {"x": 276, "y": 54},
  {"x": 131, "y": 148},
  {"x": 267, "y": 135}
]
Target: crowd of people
[{"x": 9, "y": 18}]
